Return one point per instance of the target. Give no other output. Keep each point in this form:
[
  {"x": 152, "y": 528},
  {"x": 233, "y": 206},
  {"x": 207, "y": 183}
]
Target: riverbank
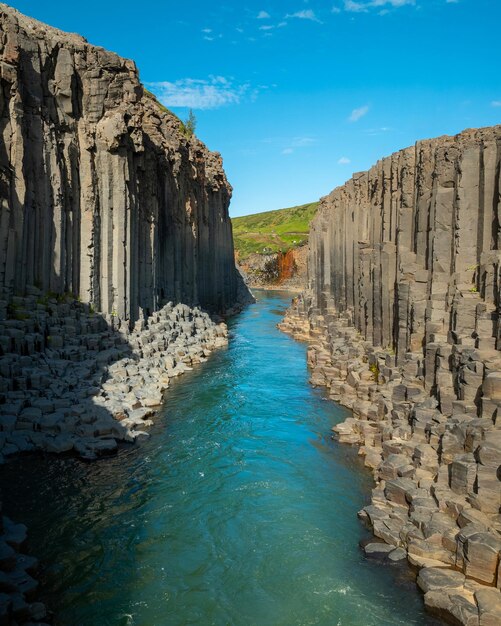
[
  {"x": 73, "y": 381},
  {"x": 420, "y": 503},
  {"x": 279, "y": 288}
]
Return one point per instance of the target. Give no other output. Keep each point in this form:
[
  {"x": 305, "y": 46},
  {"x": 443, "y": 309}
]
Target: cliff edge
[
  {"x": 271, "y": 247},
  {"x": 102, "y": 195},
  {"x": 403, "y": 313},
  {"x": 114, "y": 231}
]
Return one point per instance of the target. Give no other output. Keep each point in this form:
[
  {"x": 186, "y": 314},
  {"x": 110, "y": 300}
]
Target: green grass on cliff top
[{"x": 272, "y": 231}]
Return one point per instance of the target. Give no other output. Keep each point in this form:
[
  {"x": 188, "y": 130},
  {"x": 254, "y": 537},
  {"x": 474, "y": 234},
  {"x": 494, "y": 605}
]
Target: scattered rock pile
[
  {"x": 74, "y": 380},
  {"x": 17, "y": 585},
  {"x": 402, "y": 313}
]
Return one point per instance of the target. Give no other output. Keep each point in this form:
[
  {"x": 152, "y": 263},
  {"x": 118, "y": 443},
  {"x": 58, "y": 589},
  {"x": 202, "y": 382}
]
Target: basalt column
[
  {"x": 403, "y": 304},
  {"x": 409, "y": 250},
  {"x": 102, "y": 193}
]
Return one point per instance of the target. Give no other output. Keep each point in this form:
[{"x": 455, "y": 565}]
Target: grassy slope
[{"x": 272, "y": 231}]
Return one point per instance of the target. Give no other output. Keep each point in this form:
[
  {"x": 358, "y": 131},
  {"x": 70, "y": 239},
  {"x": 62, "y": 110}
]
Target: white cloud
[
  {"x": 263, "y": 15},
  {"x": 266, "y": 27},
  {"x": 377, "y": 132},
  {"x": 212, "y": 37},
  {"x": 335, "y": 10},
  {"x": 344, "y": 161},
  {"x": 496, "y": 103},
  {"x": 295, "y": 143},
  {"x": 354, "y": 6},
  {"x": 357, "y": 114},
  {"x": 301, "y": 142},
  {"x": 306, "y": 14},
  {"x": 192, "y": 93},
  {"x": 207, "y": 30}
]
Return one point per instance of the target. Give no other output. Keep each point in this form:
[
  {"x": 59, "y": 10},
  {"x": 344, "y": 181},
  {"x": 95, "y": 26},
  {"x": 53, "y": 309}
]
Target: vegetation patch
[{"x": 272, "y": 231}]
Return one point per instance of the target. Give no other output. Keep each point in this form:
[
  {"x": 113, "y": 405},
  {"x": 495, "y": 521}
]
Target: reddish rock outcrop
[
  {"x": 278, "y": 270},
  {"x": 286, "y": 265}
]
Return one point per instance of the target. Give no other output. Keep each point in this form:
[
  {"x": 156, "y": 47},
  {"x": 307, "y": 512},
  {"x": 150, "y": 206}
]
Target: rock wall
[
  {"x": 409, "y": 251},
  {"x": 402, "y": 311},
  {"x": 102, "y": 195}
]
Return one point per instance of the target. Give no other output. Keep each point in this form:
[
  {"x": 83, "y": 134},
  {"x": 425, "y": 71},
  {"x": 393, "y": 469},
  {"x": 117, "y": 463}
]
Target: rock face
[
  {"x": 109, "y": 216},
  {"x": 101, "y": 194},
  {"x": 409, "y": 252},
  {"x": 402, "y": 310},
  {"x": 278, "y": 270}
]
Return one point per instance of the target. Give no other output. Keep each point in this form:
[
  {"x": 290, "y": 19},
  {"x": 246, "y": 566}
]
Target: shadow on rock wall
[{"x": 75, "y": 380}]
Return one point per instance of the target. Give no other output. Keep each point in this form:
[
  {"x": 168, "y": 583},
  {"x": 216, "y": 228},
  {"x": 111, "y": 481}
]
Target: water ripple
[{"x": 239, "y": 510}]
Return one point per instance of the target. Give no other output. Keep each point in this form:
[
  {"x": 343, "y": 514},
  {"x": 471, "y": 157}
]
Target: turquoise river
[{"x": 239, "y": 509}]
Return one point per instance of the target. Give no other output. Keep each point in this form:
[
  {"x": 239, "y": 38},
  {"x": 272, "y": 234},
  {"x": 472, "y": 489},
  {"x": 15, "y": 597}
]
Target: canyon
[
  {"x": 402, "y": 315},
  {"x": 117, "y": 271}
]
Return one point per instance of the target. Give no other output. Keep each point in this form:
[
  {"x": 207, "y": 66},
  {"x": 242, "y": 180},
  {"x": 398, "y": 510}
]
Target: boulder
[
  {"x": 435, "y": 578},
  {"x": 453, "y": 609},
  {"x": 489, "y": 606},
  {"x": 378, "y": 550},
  {"x": 491, "y": 387},
  {"x": 481, "y": 557}
]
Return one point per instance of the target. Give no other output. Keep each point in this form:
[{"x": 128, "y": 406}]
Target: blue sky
[{"x": 297, "y": 95}]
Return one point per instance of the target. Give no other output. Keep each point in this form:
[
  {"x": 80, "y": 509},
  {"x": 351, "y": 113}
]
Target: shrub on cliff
[{"x": 188, "y": 128}]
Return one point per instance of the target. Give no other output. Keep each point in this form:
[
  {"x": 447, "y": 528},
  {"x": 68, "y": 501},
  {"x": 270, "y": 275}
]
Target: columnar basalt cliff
[
  {"x": 102, "y": 195},
  {"x": 403, "y": 312},
  {"x": 114, "y": 232}
]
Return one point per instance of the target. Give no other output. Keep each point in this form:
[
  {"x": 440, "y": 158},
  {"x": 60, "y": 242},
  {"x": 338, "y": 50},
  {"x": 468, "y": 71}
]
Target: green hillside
[{"x": 273, "y": 230}]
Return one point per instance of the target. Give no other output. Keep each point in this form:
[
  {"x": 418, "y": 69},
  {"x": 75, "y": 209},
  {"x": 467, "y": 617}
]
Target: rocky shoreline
[
  {"x": 422, "y": 506},
  {"x": 74, "y": 380},
  {"x": 77, "y": 382},
  {"x": 17, "y": 586},
  {"x": 403, "y": 309}
]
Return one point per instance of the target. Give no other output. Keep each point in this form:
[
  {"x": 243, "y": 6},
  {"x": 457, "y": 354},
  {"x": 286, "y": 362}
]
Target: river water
[{"x": 238, "y": 510}]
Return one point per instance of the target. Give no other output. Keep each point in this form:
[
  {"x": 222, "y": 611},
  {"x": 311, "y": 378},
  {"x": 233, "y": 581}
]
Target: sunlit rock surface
[{"x": 402, "y": 310}]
